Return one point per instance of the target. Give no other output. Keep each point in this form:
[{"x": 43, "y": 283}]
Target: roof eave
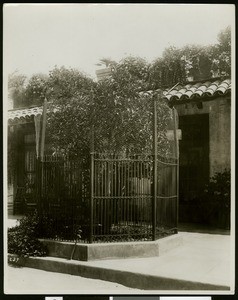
[{"x": 198, "y": 99}]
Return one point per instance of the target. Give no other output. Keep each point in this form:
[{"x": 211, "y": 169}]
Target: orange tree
[{"x": 116, "y": 109}]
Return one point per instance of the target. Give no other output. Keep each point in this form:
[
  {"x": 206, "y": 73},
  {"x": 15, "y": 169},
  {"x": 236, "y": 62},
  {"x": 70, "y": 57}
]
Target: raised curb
[
  {"x": 90, "y": 252},
  {"x": 126, "y": 278}
]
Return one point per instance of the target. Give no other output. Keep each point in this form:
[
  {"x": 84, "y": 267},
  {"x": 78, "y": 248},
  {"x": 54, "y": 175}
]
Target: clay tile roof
[
  {"x": 24, "y": 113},
  {"x": 199, "y": 90}
]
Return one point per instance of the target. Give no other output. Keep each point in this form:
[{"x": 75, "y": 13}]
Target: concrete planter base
[{"x": 89, "y": 252}]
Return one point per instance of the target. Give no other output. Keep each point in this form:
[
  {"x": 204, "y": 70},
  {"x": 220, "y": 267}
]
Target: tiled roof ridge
[
  {"x": 198, "y": 90},
  {"x": 16, "y": 115}
]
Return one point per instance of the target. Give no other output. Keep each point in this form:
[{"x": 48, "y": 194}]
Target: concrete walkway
[
  {"x": 202, "y": 262},
  {"x": 203, "y": 258},
  {"x": 32, "y": 281}
]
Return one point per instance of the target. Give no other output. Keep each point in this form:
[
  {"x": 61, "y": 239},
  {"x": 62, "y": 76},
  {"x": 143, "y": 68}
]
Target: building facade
[{"x": 204, "y": 110}]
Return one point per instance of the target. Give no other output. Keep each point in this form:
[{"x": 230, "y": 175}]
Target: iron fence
[
  {"x": 63, "y": 191},
  {"x": 109, "y": 198}
]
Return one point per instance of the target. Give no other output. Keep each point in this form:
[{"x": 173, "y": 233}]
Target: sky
[{"x": 37, "y": 37}]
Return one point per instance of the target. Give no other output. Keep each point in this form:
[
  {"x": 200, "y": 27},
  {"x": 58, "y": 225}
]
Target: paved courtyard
[{"x": 32, "y": 281}]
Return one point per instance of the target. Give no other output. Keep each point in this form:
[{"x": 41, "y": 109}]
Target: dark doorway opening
[{"x": 194, "y": 163}]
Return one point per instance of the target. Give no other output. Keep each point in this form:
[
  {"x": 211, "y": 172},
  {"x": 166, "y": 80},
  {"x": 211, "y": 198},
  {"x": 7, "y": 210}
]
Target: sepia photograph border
[{"x": 228, "y": 294}]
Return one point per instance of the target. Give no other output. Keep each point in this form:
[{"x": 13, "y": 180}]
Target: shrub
[
  {"x": 23, "y": 238},
  {"x": 215, "y": 201},
  {"x": 218, "y": 189}
]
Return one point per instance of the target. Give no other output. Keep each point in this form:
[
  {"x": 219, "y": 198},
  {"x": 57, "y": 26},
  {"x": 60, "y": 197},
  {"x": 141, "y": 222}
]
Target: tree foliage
[
  {"x": 113, "y": 109},
  {"x": 36, "y": 89},
  {"x": 221, "y": 52},
  {"x": 168, "y": 70},
  {"x": 69, "y": 122},
  {"x": 194, "y": 62},
  {"x": 65, "y": 84},
  {"x": 24, "y": 92},
  {"x": 16, "y": 88},
  {"x": 117, "y": 109},
  {"x": 123, "y": 113}
]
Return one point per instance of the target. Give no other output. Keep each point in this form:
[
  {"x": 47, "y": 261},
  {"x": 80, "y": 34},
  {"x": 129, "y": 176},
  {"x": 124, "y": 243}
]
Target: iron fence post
[
  {"x": 177, "y": 163},
  {"x": 91, "y": 185},
  {"x": 38, "y": 184},
  {"x": 155, "y": 175}
]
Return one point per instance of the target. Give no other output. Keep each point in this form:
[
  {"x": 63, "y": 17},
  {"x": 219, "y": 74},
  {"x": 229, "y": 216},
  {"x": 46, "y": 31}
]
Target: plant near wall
[
  {"x": 218, "y": 189},
  {"x": 216, "y": 200},
  {"x": 23, "y": 238}
]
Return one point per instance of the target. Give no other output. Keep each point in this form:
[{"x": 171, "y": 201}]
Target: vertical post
[
  {"x": 155, "y": 175},
  {"x": 177, "y": 162},
  {"x": 91, "y": 184}
]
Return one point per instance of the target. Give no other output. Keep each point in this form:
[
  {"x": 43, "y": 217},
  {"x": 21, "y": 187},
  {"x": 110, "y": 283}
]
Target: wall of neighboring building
[
  {"x": 220, "y": 133},
  {"x": 219, "y": 110},
  {"x": 17, "y": 173}
]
